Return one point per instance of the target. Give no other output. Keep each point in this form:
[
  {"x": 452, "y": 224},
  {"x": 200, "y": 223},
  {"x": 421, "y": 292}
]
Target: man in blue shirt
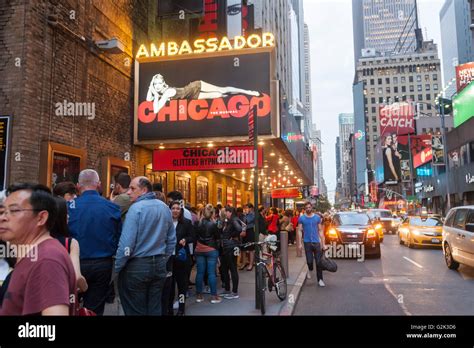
[
  {"x": 310, "y": 225},
  {"x": 148, "y": 240},
  {"x": 95, "y": 223}
]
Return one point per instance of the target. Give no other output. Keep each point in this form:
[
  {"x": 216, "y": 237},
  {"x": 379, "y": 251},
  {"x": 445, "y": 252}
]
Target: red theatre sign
[
  {"x": 230, "y": 157},
  {"x": 397, "y": 118},
  {"x": 286, "y": 193},
  {"x": 464, "y": 75},
  {"x": 421, "y": 149}
]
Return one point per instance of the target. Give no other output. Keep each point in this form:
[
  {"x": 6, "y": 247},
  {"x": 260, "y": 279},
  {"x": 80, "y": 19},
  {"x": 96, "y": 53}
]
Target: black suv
[{"x": 354, "y": 229}]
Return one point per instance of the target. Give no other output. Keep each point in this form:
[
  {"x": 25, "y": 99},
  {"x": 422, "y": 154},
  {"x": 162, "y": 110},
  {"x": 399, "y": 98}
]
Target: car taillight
[
  {"x": 371, "y": 233},
  {"x": 332, "y": 233}
]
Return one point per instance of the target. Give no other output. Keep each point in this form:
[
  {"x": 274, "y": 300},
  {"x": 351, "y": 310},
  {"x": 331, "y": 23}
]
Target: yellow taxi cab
[{"x": 421, "y": 230}]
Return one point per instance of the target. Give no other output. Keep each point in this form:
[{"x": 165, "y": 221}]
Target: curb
[{"x": 289, "y": 307}]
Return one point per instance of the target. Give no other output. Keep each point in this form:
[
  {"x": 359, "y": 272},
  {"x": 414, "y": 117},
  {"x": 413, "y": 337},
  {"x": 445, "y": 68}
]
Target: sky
[{"x": 332, "y": 66}]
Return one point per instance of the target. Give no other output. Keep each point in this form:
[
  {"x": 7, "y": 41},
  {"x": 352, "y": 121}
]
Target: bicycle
[{"x": 270, "y": 273}]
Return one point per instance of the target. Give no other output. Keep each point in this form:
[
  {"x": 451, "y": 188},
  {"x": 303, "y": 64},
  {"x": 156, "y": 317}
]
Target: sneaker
[
  {"x": 199, "y": 298},
  {"x": 224, "y": 293},
  {"x": 216, "y": 299},
  {"x": 207, "y": 290},
  {"x": 308, "y": 275},
  {"x": 321, "y": 283},
  {"x": 231, "y": 296}
]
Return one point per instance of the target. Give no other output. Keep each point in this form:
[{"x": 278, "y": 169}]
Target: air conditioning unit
[{"x": 111, "y": 46}]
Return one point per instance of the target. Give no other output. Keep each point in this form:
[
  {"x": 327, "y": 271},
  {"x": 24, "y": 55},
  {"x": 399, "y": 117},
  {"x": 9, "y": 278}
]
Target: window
[
  {"x": 403, "y": 79},
  {"x": 404, "y": 89},
  {"x": 423, "y": 130},
  {"x": 460, "y": 218},
  {"x": 202, "y": 190},
  {"x": 435, "y": 77},
  {"x": 412, "y": 88},
  {"x": 182, "y": 184},
  {"x": 374, "y": 109},
  {"x": 427, "y": 87},
  {"x": 372, "y": 81},
  {"x": 387, "y": 80},
  {"x": 372, "y": 91},
  {"x": 374, "y": 129},
  {"x": 379, "y": 81},
  {"x": 374, "y": 120},
  {"x": 388, "y": 89},
  {"x": 380, "y": 100},
  {"x": 429, "y": 106},
  {"x": 450, "y": 218},
  {"x": 419, "y": 88},
  {"x": 435, "y": 87},
  {"x": 428, "y": 97},
  {"x": 471, "y": 151},
  {"x": 395, "y": 89},
  {"x": 421, "y": 107},
  {"x": 410, "y": 79},
  {"x": 420, "y": 97},
  {"x": 380, "y": 90},
  {"x": 395, "y": 80},
  {"x": 375, "y": 138},
  {"x": 372, "y": 100},
  {"x": 412, "y": 97},
  {"x": 418, "y": 78},
  {"x": 427, "y": 78}
]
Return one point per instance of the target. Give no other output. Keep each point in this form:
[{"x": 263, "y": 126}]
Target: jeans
[
  {"x": 180, "y": 277},
  {"x": 141, "y": 283},
  {"x": 229, "y": 264},
  {"x": 314, "y": 250},
  {"x": 98, "y": 273},
  {"x": 166, "y": 293},
  {"x": 208, "y": 259}
]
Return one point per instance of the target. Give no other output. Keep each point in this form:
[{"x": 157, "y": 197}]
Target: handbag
[
  {"x": 182, "y": 255},
  {"x": 327, "y": 264}
]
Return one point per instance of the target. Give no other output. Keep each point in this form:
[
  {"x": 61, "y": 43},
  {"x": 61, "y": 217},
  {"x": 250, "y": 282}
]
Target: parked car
[
  {"x": 354, "y": 228},
  {"x": 458, "y": 237},
  {"x": 386, "y": 219},
  {"x": 421, "y": 231}
]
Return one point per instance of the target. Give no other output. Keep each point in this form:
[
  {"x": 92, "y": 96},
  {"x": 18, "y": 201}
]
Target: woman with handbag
[
  {"x": 182, "y": 259},
  {"x": 230, "y": 250}
]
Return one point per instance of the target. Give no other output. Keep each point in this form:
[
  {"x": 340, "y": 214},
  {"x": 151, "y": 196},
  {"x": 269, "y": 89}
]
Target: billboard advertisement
[
  {"x": 464, "y": 75},
  {"x": 205, "y": 97},
  {"x": 438, "y": 150},
  {"x": 401, "y": 147},
  {"x": 463, "y": 105},
  {"x": 421, "y": 151},
  {"x": 286, "y": 193},
  {"x": 391, "y": 158},
  {"x": 397, "y": 118},
  {"x": 229, "y": 157}
]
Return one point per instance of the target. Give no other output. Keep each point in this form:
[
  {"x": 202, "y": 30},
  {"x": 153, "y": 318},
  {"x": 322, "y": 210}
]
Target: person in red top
[
  {"x": 43, "y": 281},
  {"x": 272, "y": 221}
]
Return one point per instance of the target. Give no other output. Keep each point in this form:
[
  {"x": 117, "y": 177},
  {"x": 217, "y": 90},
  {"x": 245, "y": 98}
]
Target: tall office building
[
  {"x": 306, "y": 93},
  {"x": 346, "y": 128},
  {"x": 415, "y": 76},
  {"x": 338, "y": 169},
  {"x": 386, "y": 26},
  {"x": 456, "y": 38}
]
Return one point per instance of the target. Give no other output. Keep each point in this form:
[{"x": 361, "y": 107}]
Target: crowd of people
[{"x": 147, "y": 242}]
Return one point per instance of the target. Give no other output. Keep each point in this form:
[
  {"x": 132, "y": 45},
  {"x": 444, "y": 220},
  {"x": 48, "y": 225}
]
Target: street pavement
[
  {"x": 245, "y": 304},
  {"x": 403, "y": 282}
]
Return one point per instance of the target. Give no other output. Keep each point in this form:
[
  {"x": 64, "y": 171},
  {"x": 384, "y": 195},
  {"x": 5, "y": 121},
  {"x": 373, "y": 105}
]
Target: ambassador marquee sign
[{"x": 171, "y": 48}]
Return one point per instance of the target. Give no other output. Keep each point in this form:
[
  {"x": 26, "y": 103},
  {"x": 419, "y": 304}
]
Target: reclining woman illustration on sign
[{"x": 160, "y": 93}]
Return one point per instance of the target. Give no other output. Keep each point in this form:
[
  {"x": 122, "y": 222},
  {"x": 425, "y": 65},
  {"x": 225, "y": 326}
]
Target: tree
[{"x": 322, "y": 204}]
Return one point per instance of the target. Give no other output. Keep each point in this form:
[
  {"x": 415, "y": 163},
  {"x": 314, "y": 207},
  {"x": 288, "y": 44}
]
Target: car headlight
[
  {"x": 416, "y": 232},
  {"x": 404, "y": 230},
  {"x": 371, "y": 233},
  {"x": 332, "y": 233},
  {"x": 394, "y": 223}
]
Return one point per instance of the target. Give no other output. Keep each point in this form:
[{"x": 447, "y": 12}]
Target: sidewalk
[{"x": 245, "y": 305}]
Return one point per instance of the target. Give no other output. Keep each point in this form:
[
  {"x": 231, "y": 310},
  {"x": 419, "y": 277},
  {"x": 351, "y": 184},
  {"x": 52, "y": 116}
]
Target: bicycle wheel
[
  {"x": 261, "y": 286},
  {"x": 281, "y": 286}
]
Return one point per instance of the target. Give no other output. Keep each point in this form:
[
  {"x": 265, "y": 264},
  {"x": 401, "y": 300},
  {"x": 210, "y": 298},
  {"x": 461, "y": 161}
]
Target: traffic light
[{"x": 447, "y": 104}]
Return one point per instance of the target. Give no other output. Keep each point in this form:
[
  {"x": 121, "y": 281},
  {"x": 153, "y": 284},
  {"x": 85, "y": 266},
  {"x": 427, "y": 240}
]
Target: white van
[{"x": 458, "y": 237}]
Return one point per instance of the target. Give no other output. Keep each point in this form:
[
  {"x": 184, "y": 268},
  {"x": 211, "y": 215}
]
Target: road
[{"x": 402, "y": 282}]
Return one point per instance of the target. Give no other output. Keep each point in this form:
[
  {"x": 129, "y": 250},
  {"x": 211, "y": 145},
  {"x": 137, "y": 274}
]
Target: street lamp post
[{"x": 443, "y": 127}]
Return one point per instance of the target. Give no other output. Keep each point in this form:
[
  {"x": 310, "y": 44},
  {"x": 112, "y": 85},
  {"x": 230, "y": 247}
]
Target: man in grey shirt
[
  {"x": 147, "y": 241},
  {"x": 119, "y": 195}
]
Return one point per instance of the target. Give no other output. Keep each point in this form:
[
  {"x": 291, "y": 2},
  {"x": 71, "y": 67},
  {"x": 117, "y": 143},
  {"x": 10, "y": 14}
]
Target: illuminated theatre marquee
[{"x": 171, "y": 48}]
